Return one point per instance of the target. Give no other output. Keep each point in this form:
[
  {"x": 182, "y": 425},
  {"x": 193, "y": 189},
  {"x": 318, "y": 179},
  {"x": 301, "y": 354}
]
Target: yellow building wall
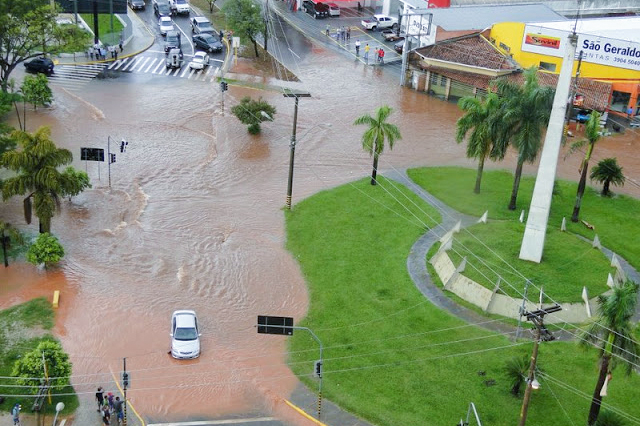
[{"x": 510, "y": 34}]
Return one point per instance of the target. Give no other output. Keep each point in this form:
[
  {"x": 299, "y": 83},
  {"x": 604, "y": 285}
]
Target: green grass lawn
[
  {"x": 615, "y": 219},
  {"x": 561, "y": 273},
  {"x": 22, "y": 328},
  {"x": 104, "y": 25},
  {"x": 393, "y": 358}
]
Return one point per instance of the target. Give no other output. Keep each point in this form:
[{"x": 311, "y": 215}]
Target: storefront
[{"x": 610, "y": 53}]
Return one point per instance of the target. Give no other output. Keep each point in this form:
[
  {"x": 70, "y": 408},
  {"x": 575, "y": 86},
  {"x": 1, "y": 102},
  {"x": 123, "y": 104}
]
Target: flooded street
[{"x": 194, "y": 220}]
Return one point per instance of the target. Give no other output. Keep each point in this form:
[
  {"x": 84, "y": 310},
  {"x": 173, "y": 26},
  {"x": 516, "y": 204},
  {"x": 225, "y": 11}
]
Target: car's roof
[
  {"x": 333, "y": 5},
  {"x": 200, "y": 19},
  {"x": 380, "y": 16},
  {"x": 185, "y": 321},
  {"x": 199, "y": 54}
]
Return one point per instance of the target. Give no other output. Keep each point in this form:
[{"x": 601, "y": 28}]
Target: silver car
[{"x": 185, "y": 335}]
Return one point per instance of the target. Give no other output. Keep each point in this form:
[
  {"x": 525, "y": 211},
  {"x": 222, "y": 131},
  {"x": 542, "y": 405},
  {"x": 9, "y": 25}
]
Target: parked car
[
  {"x": 175, "y": 58},
  {"x": 43, "y": 65},
  {"x": 391, "y": 35},
  {"x": 161, "y": 8},
  {"x": 582, "y": 115},
  {"x": 166, "y": 24},
  {"x": 199, "y": 61},
  {"x": 201, "y": 25},
  {"x": 317, "y": 10},
  {"x": 137, "y": 4},
  {"x": 379, "y": 22},
  {"x": 180, "y": 6},
  {"x": 172, "y": 41},
  {"x": 334, "y": 9},
  {"x": 207, "y": 42},
  {"x": 399, "y": 46},
  {"x": 185, "y": 335}
]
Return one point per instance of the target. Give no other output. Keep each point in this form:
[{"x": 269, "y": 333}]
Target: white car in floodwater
[
  {"x": 185, "y": 335},
  {"x": 200, "y": 61}
]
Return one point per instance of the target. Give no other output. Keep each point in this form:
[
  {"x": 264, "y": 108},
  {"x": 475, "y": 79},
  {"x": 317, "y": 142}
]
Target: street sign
[
  {"x": 92, "y": 154},
  {"x": 86, "y": 6},
  {"x": 275, "y": 325}
]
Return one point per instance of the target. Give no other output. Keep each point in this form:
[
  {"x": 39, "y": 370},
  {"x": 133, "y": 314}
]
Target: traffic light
[
  {"x": 223, "y": 86},
  {"x": 112, "y": 159},
  {"x": 125, "y": 380},
  {"x": 318, "y": 369}
]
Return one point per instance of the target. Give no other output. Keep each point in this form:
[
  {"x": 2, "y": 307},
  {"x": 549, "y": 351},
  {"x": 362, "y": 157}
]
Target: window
[
  {"x": 620, "y": 101},
  {"x": 443, "y": 80},
  {"x": 548, "y": 66},
  {"x": 505, "y": 47}
]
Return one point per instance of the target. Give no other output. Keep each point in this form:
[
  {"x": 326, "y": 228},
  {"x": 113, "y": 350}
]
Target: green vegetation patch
[
  {"x": 490, "y": 249},
  {"x": 22, "y": 328},
  {"x": 104, "y": 26},
  {"x": 393, "y": 358},
  {"x": 615, "y": 220}
]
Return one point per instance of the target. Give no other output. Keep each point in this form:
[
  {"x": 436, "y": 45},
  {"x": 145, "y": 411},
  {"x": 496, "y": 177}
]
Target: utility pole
[
  {"x": 96, "y": 35},
  {"x": 537, "y": 318},
  {"x": 125, "y": 383},
  {"x": 408, "y": 33},
  {"x": 266, "y": 24},
  {"x": 292, "y": 144}
]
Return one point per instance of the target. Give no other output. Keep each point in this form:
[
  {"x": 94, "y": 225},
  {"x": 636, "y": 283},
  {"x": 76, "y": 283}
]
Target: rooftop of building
[{"x": 457, "y": 18}]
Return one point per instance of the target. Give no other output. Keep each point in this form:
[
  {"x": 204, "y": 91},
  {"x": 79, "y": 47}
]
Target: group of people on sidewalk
[
  {"x": 108, "y": 405},
  {"x": 343, "y": 34},
  {"x": 99, "y": 52}
]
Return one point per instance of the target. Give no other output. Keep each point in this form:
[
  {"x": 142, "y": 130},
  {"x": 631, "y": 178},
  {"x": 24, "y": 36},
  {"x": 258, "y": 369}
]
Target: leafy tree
[
  {"x": 607, "y": 172},
  {"x": 612, "y": 332},
  {"x": 36, "y": 91},
  {"x": 7, "y": 102},
  {"x": 45, "y": 250},
  {"x": 592, "y": 133},
  {"x": 481, "y": 121},
  {"x": 7, "y": 234},
  {"x": 36, "y": 166},
  {"x": 516, "y": 369},
  {"x": 609, "y": 418},
  {"x": 28, "y": 29},
  {"x": 379, "y": 131},
  {"x": 525, "y": 114},
  {"x": 75, "y": 181},
  {"x": 244, "y": 16},
  {"x": 31, "y": 369},
  {"x": 211, "y": 3},
  {"x": 252, "y": 112}
]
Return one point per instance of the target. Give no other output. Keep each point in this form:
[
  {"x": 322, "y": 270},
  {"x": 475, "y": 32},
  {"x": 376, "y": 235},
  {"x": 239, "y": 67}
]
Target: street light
[
  {"x": 291, "y": 94},
  {"x": 59, "y": 407}
]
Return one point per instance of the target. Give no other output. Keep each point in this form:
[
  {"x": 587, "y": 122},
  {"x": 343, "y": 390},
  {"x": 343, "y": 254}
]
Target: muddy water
[{"x": 194, "y": 220}]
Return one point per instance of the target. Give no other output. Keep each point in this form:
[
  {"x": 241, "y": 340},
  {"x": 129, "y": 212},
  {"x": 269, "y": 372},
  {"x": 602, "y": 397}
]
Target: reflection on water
[{"x": 194, "y": 221}]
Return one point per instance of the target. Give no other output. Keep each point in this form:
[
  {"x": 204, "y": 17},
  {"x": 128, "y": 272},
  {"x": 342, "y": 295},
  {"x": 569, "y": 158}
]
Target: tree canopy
[
  {"x": 253, "y": 112},
  {"x": 245, "y": 17},
  {"x": 30, "y": 367}
]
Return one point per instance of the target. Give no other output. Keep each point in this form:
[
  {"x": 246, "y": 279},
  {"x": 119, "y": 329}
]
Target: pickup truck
[
  {"x": 200, "y": 25},
  {"x": 180, "y": 6},
  {"x": 378, "y": 22}
]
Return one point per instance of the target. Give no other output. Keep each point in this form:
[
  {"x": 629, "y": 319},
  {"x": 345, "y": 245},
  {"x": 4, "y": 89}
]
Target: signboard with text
[
  {"x": 417, "y": 24},
  {"x": 596, "y": 50}
]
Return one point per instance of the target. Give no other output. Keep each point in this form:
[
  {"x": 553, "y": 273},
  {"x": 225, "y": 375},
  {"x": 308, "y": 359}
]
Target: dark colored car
[
  {"x": 43, "y": 65},
  {"x": 172, "y": 41},
  {"x": 207, "y": 42},
  {"x": 399, "y": 46},
  {"x": 162, "y": 9},
  {"x": 137, "y": 4},
  {"x": 317, "y": 10}
]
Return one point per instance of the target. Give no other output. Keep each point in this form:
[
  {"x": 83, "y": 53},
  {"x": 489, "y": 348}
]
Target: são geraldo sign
[{"x": 597, "y": 50}]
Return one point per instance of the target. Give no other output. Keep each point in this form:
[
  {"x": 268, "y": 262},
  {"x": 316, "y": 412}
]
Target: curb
[{"x": 304, "y": 413}]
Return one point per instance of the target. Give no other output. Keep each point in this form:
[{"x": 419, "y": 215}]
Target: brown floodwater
[{"x": 194, "y": 220}]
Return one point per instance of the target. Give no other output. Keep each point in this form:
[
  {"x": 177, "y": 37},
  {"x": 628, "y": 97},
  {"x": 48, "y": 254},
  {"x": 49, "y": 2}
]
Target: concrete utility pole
[
  {"x": 534, "y": 234},
  {"x": 408, "y": 33},
  {"x": 292, "y": 145}
]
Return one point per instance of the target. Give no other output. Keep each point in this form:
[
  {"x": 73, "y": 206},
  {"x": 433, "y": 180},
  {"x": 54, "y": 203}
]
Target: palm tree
[
  {"x": 36, "y": 165},
  {"x": 592, "y": 132},
  {"x": 379, "y": 131},
  {"x": 612, "y": 333},
  {"x": 607, "y": 172},
  {"x": 525, "y": 114},
  {"x": 516, "y": 370},
  {"x": 481, "y": 120}
]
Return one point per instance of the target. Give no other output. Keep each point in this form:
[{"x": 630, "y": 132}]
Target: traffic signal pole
[{"x": 125, "y": 383}]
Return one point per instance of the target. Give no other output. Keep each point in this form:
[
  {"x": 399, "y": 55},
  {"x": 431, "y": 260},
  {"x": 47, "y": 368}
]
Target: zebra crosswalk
[
  {"x": 156, "y": 65},
  {"x": 75, "y": 77}
]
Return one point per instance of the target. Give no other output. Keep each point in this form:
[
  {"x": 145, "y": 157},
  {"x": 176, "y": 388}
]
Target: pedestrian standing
[
  {"x": 115, "y": 53},
  {"x": 357, "y": 47},
  {"x": 366, "y": 52},
  {"x": 16, "y": 414},
  {"x": 91, "y": 51},
  {"x": 120, "y": 46},
  {"x": 381, "y": 56},
  {"x": 106, "y": 416},
  {"x": 100, "y": 397},
  {"x": 327, "y": 30},
  {"x": 221, "y": 36},
  {"x": 348, "y": 33},
  {"x": 377, "y": 55},
  {"x": 110, "y": 394},
  {"x": 103, "y": 53},
  {"x": 118, "y": 408},
  {"x": 342, "y": 35}
]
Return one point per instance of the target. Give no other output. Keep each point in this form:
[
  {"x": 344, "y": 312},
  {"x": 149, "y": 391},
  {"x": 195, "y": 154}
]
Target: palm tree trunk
[
  {"x": 594, "y": 411},
  {"x": 581, "y": 186},
  {"x": 516, "y": 185},
  {"x": 479, "y": 175},
  {"x": 4, "y": 249},
  {"x": 605, "y": 188},
  {"x": 375, "y": 169}
]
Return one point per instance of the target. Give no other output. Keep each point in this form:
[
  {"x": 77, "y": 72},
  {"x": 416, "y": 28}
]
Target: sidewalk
[{"x": 141, "y": 40}]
